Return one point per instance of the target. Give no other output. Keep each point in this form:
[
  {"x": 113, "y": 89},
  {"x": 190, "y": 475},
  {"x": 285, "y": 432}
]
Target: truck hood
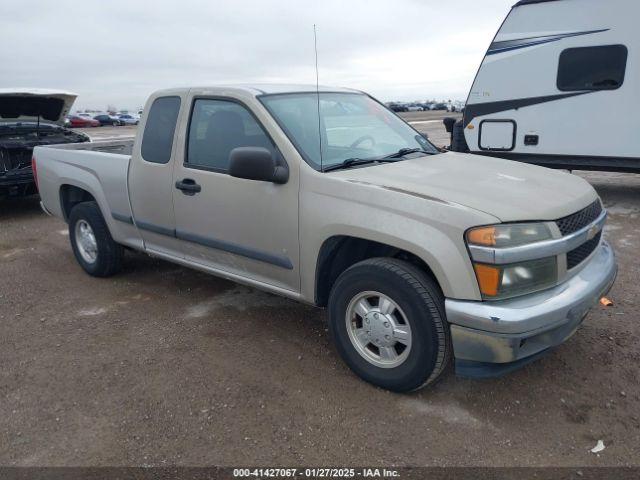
[
  {"x": 508, "y": 190},
  {"x": 29, "y": 105}
]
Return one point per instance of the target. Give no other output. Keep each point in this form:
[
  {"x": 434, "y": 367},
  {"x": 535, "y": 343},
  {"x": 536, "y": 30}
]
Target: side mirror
[{"x": 256, "y": 163}]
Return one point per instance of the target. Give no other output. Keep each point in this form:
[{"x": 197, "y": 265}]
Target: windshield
[{"x": 350, "y": 126}]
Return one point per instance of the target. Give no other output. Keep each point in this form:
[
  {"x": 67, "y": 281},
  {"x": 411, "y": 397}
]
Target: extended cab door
[
  {"x": 151, "y": 174},
  {"x": 244, "y": 227}
]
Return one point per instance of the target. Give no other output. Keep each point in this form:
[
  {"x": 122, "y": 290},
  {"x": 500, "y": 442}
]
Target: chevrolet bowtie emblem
[{"x": 593, "y": 231}]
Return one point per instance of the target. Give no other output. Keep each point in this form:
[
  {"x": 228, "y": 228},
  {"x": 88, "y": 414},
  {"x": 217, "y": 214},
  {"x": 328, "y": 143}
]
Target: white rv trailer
[{"x": 558, "y": 87}]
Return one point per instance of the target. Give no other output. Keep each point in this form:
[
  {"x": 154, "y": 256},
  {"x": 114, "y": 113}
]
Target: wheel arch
[
  {"x": 340, "y": 252},
  {"x": 71, "y": 195}
]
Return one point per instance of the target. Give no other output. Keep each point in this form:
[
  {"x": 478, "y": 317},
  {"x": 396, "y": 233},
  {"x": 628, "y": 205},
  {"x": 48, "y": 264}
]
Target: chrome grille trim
[
  {"x": 576, "y": 221},
  {"x": 533, "y": 251}
]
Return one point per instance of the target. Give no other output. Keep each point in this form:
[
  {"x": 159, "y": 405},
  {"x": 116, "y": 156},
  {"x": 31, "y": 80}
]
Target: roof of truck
[
  {"x": 530, "y": 2},
  {"x": 293, "y": 88},
  {"x": 267, "y": 88}
]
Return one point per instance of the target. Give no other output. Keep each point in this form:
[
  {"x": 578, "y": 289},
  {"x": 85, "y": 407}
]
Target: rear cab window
[
  {"x": 157, "y": 140},
  {"x": 592, "y": 68}
]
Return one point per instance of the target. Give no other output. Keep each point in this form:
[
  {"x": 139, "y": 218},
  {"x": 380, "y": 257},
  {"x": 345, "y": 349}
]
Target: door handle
[{"x": 188, "y": 186}]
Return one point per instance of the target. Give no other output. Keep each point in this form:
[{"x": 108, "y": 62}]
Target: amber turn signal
[
  {"x": 488, "y": 279},
  {"x": 485, "y": 236}
]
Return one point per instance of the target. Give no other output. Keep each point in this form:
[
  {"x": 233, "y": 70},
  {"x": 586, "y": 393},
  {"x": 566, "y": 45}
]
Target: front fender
[
  {"x": 433, "y": 231},
  {"x": 450, "y": 266}
]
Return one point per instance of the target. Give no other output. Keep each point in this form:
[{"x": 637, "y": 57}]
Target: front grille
[
  {"x": 15, "y": 158},
  {"x": 581, "y": 219},
  {"x": 579, "y": 254}
]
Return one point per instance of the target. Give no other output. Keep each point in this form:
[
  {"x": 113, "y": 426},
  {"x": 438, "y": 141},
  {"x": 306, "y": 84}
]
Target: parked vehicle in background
[
  {"x": 112, "y": 120},
  {"x": 414, "y": 107},
  {"x": 326, "y": 197},
  {"x": 439, "y": 106},
  {"x": 129, "y": 119},
  {"x": 30, "y": 117},
  {"x": 557, "y": 88},
  {"x": 398, "y": 107},
  {"x": 76, "y": 121}
]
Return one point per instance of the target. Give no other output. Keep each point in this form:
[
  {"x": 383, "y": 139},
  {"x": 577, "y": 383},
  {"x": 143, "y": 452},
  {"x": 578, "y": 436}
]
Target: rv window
[{"x": 592, "y": 68}]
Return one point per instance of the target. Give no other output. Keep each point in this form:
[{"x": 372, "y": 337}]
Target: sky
[{"x": 117, "y": 52}]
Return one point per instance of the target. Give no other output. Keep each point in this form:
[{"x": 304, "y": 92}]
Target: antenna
[{"x": 315, "y": 47}]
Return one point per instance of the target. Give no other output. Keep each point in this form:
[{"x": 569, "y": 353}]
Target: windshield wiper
[
  {"x": 406, "y": 151},
  {"x": 352, "y": 162}
]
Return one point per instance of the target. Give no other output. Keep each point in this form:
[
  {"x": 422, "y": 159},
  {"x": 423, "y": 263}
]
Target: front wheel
[
  {"x": 94, "y": 248},
  {"x": 387, "y": 320}
]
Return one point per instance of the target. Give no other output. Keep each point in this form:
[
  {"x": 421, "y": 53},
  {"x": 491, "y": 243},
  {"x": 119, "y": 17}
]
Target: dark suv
[{"x": 106, "y": 120}]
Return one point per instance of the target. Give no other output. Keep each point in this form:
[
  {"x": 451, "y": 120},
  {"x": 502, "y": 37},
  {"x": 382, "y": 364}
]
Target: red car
[{"x": 82, "y": 122}]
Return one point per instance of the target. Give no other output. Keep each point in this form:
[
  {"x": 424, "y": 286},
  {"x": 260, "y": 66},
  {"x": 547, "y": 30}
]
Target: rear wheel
[
  {"x": 94, "y": 248},
  {"x": 387, "y": 319}
]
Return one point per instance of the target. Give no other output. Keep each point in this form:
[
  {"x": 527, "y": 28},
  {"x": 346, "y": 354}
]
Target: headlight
[
  {"x": 503, "y": 281},
  {"x": 498, "y": 282},
  {"x": 508, "y": 235}
]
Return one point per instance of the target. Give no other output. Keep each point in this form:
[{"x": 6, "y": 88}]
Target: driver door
[{"x": 243, "y": 227}]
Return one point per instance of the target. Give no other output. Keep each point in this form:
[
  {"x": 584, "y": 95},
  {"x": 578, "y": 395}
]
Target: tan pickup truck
[{"x": 421, "y": 256}]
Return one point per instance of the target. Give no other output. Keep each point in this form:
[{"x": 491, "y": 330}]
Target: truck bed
[
  {"x": 120, "y": 146},
  {"x": 99, "y": 168}
]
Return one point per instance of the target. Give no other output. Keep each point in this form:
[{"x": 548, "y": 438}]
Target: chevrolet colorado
[{"x": 424, "y": 258}]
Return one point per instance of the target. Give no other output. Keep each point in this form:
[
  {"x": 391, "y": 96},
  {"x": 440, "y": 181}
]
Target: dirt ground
[{"x": 162, "y": 365}]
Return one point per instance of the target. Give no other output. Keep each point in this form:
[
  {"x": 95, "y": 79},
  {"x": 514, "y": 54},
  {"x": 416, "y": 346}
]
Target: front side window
[
  {"x": 216, "y": 128},
  {"x": 157, "y": 139},
  {"x": 349, "y": 126},
  {"x": 592, "y": 68}
]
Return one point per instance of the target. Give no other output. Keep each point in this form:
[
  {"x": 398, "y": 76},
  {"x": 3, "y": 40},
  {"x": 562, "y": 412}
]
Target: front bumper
[
  {"x": 16, "y": 177},
  {"x": 491, "y": 338},
  {"x": 17, "y": 182}
]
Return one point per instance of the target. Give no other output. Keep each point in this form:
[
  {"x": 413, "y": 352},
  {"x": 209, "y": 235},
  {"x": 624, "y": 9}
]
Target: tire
[
  {"x": 107, "y": 258},
  {"x": 417, "y": 301}
]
